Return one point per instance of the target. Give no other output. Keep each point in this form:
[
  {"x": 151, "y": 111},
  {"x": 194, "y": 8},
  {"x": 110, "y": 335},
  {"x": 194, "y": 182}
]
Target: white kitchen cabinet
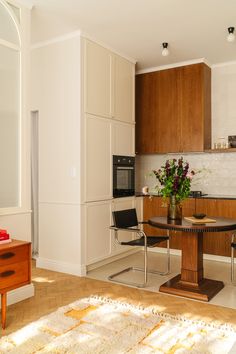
[
  {"x": 98, "y": 240},
  {"x": 98, "y": 159},
  {"x": 123, "y": 139},
  {"x": 122, "y": 204},
  {"x": 98, "y": 82},
  {"x": 124, "y": 74}
]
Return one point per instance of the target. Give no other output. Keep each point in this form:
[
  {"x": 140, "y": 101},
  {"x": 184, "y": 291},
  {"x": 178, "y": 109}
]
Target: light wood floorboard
[{"x": 53, "y": 290}]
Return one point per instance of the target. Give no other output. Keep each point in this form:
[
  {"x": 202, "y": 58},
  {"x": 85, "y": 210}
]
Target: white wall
[
  {"x": 223, "y": 101},
  {"x": 219, "y": 169},
  {"x": 18, "y": 220},
  {"x": 56, "y": 96}
]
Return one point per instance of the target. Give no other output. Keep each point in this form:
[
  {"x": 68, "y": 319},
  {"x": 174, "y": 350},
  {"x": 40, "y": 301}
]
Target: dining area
[{"x": 190, "y": 243}]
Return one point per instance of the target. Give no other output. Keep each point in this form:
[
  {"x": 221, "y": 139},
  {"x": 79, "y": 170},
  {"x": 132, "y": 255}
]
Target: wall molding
[
  {"x": 183, "y": 63},
  {"x": 174, "y": 65},
  {"x": 227, "y": 63},
  {"x": 102, "y": 44},
  {"x": 12, "y": 212},
  {"x": 20, "y": 294},
  {"x": 56, "y": 40},
  {"x": 59, "y": 266},
  {"x": 59, "y": 202}
]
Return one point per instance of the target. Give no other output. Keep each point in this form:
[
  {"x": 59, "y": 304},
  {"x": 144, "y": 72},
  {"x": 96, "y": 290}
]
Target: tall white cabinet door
[
  {"x": 123, "y": 139},
  {"x": 98, "y": 240},
  {"x": 122, "y": 204},
  {"x": 124, "y": 90},
  {"x": 98, "y": 79},
  {"x": 98, "y": 161}
]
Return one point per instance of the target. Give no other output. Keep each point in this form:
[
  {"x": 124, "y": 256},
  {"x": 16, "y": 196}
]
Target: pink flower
[{"x": 189, "y": 175}]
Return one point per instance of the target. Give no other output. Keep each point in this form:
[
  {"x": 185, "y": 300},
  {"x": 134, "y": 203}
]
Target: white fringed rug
[{"x": 100, "y": 325}]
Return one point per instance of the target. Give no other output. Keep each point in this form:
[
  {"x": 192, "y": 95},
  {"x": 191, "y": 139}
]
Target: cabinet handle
[
  {"x": 7, "y": 273},
  {"x": 7, "y": 255}
]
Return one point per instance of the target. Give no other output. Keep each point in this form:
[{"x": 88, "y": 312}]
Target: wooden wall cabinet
[
  {"x": 218, "y": 243},
  {"x": 173, "y": 110},
  {"x": 157, "y": 207}
]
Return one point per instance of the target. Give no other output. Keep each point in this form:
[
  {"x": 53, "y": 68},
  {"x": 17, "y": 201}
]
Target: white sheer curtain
[{"x": 34, "y": 182}]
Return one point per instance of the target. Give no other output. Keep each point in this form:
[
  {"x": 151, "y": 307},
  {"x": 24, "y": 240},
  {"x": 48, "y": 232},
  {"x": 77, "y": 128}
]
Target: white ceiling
[{"x": 193, "y": 28}]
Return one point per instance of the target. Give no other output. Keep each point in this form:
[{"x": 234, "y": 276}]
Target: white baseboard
[
  {"x": 62, "y": 267},
  {"x": 209, "y": 257},
  {"x": 20, "y": 294},
  {"x": 111, "y": 259}
]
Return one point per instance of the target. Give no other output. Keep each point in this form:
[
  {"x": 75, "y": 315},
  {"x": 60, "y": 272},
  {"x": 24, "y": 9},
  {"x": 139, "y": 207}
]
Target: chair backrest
[{"x": 125, "y": 218}]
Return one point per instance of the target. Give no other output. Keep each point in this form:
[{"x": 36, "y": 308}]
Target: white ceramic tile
[{"x": 217, "y": 174}]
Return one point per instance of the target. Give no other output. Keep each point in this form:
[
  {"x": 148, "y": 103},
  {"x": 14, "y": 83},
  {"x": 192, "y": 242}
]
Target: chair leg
[
  {"x": 145, "y": 262},
  {"x": 168, "y": 262},
  {"x": 138, "y": 285},
  {"x": 232, "y": 260},
  {"x": 145, "y": 270}
]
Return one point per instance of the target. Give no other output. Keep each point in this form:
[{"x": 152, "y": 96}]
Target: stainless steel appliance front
[{"x": 123, "y": 176}]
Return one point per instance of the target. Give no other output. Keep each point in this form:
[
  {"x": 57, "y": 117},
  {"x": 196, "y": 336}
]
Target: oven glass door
[
  {"x": 124, "y": 177},
  {"x": 123, "y": 181}
]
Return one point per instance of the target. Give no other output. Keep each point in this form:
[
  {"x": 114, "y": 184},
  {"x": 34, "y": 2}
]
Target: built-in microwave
[{"x": 123, "y": 176}]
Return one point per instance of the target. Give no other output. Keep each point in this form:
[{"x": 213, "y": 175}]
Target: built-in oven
[{"x": 123, "y": 176}]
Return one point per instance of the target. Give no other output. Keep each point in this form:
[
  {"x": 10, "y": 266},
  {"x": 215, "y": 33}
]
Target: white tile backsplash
[{"x": 217, "y": 176}]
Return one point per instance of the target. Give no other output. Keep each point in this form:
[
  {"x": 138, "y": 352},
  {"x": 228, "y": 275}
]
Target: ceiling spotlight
[
  {"x": 165, "y": 50},
  {"x": 231, "y": 36}
]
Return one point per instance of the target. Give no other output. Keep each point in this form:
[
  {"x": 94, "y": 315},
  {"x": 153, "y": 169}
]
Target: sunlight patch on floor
[{"x": 42, "y": 280}]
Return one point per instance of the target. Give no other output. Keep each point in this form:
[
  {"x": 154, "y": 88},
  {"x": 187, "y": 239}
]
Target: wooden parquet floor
[{"x": 53, "y": 290}]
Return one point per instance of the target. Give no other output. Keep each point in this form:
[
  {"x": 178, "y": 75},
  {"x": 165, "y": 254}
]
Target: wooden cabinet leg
[{"x": 4, "y": 309}]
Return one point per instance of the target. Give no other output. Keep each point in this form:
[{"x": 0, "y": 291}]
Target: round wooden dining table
[{"x": 191, "y": 282}]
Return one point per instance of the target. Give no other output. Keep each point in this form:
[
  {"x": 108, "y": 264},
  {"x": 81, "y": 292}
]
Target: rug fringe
[{"x": 164, "y": 315}]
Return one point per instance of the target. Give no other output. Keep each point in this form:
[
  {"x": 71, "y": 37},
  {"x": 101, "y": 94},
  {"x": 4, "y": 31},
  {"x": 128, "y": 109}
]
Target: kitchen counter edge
[{"x": 208, "y": 196}]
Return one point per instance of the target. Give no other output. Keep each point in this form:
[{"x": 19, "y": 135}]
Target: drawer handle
[
  {"x": 7, "y": 255},
  {"x": 7, "y": 273}
]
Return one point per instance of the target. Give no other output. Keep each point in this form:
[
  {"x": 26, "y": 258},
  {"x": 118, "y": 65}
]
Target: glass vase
[{"x": 174, "y": 209}]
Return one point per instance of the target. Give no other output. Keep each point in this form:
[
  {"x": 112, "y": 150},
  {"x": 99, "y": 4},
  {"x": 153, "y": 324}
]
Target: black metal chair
[
  {"x": 126, "y": 220},
  {"x": 233, "y": 247}
]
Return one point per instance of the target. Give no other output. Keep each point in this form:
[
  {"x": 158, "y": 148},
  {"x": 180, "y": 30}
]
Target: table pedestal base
[{"x": 204, "y": 291}]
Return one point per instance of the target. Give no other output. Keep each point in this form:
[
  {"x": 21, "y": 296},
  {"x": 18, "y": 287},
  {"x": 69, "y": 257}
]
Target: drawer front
[
  {"x": 12, "y": 275},
  {"x": 14, "y": 255}
]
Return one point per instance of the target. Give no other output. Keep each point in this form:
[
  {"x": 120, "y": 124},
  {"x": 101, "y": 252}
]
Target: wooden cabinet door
[
  {"x": 169, "y": 129},
  {"x": 98, "y": 234},
  {"x": 154, "y": 206},
  {"x": 98, "y": 171},
  {"x": 146, "y": 113},
  {"x": 173, "y": 110},
  {"x": 123, "y": 139},
  {"x": 124, "y": 89},
  {"x": 195, "y": 107},
  {"x": 157, "y": 207},
  {"x": 98, "y": 89},
  {"x": 218, "y": 243}
]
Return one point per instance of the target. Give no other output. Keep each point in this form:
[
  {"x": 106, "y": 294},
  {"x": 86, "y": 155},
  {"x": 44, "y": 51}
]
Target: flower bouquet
[{"x": 174, "y": 183}]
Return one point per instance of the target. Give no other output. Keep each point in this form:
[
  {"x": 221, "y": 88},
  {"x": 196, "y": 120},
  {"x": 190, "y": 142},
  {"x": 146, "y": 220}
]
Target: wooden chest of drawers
[{"x": 15, "y": 269}]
